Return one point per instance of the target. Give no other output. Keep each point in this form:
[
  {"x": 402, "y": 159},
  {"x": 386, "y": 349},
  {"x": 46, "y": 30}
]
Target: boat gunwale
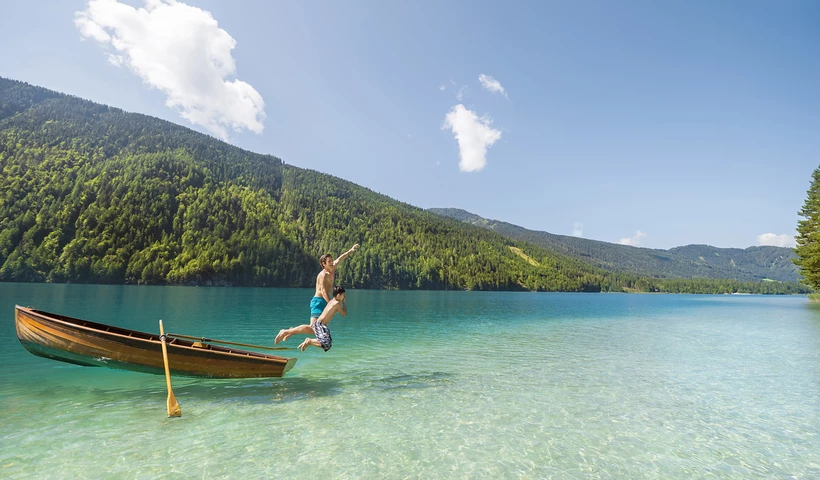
[{"x": 175, "y": 342}]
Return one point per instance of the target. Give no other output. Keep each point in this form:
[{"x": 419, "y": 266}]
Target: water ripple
[{"x": 438, "y": 385}]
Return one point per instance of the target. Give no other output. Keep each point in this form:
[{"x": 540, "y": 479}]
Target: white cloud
[
  {"x": 474, "y": 135},
  {"x": 577, "y": 229},
  {"x": 442, "y": 87},
  {"x": 492, "y": 84},
  {"x": 634, "y": 240},
  {"x": 181, "y": 51},
  {"x": 784, "y": 240}
]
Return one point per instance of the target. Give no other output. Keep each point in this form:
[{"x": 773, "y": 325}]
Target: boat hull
[{"x": 98, "y": 345}]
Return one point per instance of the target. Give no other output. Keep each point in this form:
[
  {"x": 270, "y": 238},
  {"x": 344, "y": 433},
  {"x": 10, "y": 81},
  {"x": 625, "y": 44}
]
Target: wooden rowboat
[{"x": 97, "y": 345}]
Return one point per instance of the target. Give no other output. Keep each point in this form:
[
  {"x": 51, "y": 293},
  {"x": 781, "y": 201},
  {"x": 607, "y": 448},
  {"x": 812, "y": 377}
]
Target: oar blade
[{"x": 173, "y": 406}]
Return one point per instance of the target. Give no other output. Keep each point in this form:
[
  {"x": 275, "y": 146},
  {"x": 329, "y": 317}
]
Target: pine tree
[{"x": 808, "y": 236}]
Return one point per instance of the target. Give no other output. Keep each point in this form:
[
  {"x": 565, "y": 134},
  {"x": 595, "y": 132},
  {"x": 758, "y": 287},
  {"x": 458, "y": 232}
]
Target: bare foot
[
  {"x": 279, "y": 337},
  {"x": 304, "y": 345}
]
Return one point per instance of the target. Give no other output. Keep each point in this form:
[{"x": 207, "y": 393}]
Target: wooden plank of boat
[{"x": 93, "y": 344}]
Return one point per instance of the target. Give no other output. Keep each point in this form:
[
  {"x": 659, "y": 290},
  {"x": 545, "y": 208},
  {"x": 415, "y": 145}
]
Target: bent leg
[
  {"x": 308, "y": 342},
  {"x": 286, "y": 334}
]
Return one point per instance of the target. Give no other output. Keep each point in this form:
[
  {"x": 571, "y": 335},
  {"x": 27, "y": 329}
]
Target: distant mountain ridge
[{"x": 689, "y": 261}]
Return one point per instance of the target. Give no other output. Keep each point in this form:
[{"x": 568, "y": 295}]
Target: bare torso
[
  {"x": 332, "y": 309},
  {"x": 324, "y": 284}
]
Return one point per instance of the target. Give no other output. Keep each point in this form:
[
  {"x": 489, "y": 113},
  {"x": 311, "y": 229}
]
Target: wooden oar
[
  {"x": 211, "y": 340},
  {"x": 173, "y": 406}
]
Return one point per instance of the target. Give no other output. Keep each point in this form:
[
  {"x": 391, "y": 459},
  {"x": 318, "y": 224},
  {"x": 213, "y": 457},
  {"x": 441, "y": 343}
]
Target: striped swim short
[{"x": 323, "y": 335}]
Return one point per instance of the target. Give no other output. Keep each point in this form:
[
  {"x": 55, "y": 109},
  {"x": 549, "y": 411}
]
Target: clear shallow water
[{"x": 430, "y": 385}]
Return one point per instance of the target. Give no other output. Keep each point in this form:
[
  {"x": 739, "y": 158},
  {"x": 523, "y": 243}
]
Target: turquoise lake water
[{"x": 430, "y": 385}]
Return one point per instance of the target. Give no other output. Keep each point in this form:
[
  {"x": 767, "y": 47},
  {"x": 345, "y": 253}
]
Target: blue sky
[{"x": 651, "y": 123}]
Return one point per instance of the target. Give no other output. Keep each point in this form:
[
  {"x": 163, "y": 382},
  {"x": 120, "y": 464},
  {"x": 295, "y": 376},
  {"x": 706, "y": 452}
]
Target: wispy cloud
[
  {"x": 783, "y": 240},
  {"x": 474, "y": 135},
  {"x": 492, "y": 84},
  {"x": 577, "y": 229},
  {"x": 634, "y": 240},
  {"x": 181, "y": 51},
  {"x": 460, "y": 93}
]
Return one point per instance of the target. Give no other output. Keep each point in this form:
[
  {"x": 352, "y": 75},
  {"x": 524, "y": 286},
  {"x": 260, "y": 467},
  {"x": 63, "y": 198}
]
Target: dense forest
[
  {"x": 93, "y": 194},
  {"x": 808, "y": 237},
  {"x": 690, "y": 261}
]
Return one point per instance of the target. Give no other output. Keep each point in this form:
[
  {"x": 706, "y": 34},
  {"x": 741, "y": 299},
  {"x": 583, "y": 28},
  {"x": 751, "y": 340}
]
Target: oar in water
[
  {"x": 225, "y": 342},
  {"x": 173, "y": 405}
]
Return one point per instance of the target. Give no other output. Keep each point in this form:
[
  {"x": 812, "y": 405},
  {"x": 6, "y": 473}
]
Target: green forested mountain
[
  {"x": 90, "y": 193},
  {"x": 690, "y": 261}
]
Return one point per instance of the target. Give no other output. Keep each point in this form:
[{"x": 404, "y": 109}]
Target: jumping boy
[
  {"x": 318, "y": 326},
  {"x": 324, "y": 285}
]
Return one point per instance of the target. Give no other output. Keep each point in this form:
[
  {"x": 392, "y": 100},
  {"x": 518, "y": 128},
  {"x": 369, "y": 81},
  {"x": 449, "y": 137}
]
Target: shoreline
[{"x": 813, "y": 297}]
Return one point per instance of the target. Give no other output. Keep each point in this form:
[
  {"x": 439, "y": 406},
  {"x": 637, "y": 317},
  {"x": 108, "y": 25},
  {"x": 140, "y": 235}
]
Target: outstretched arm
[{"x": 342, "y": 256}]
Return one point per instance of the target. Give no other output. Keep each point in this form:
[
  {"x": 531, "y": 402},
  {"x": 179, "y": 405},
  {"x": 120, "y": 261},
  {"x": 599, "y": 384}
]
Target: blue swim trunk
[
  {"x": 317, "y": 306},
  {"x": 323, "y": 335}
]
